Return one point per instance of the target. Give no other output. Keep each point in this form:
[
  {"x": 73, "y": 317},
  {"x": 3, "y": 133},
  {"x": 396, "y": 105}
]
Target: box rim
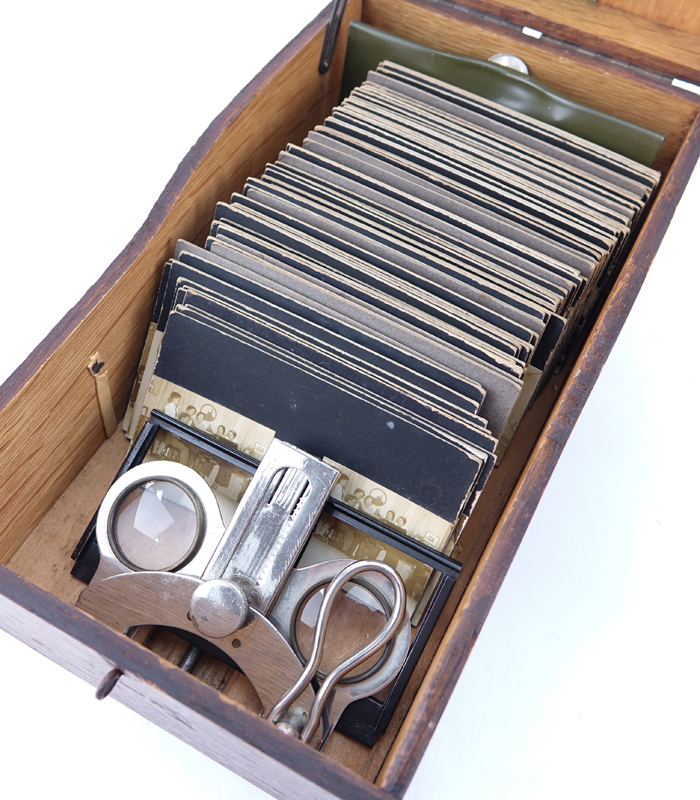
[
  {"x": 27, "y": 370},
  {"x": 605, "y": 30},
  {"x": 202, "y": 700},
  {"x": 480, "y": 593}
]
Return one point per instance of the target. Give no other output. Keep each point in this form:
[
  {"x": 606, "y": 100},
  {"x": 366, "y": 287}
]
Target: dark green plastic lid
[{"x": 368, "y": 46}]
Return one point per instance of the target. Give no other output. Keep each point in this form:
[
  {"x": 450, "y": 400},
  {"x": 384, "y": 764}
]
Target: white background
[{"x": 584, "y": 680}]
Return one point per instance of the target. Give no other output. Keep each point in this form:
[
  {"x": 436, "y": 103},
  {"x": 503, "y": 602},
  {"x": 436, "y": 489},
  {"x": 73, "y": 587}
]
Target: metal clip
[
  {"x": 331, "y": 38},
  {"x": 272, "y": 523},
  {"x": 283, "y": 705}
]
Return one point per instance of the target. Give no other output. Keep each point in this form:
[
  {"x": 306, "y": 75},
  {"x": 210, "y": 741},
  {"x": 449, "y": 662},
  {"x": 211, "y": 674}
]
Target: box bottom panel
[{"x": 44, "y": 559}]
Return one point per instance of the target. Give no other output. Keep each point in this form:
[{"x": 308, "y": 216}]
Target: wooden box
[{"x": 53, "y": 478}]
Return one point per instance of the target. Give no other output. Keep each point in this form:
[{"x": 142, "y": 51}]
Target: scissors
[{"x": 167, "y": 558}]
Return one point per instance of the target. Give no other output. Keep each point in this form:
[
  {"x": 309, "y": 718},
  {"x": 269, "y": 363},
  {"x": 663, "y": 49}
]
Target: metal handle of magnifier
[{"x": 237, "y": 579}]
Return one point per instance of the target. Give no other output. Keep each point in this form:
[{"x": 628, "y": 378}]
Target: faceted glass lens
[{"x": 156, "y": 526}]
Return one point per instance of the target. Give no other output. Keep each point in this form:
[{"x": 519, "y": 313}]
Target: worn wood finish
[
  {"x": 285, "y": 100},
  {"x": 44, "y": 559},
  {"x": 684, "y": 15},
  {"x": 610, "y": 31},
  {"x": 44, "y": 556},
  {"x": 609, "y": 87},
  {"x": 488, "y": 577},
  {"x": 39, "y": 458},
  {"x": 174, "y": 700}
]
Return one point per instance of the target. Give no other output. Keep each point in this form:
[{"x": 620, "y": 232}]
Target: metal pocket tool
[{"x": 166, "y": 558}]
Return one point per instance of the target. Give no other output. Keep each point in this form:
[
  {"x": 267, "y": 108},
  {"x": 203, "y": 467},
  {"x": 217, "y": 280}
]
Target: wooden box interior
[{"x": 54, "y": 478}]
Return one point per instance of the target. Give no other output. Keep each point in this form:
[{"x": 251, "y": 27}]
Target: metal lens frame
[
  {"x": 364, "y": 719},
  {"x": 142, "y": 482}
]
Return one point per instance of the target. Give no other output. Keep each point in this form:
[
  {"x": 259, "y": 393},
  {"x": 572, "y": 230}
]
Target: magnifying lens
[
  {"x": 166, "y": 558},
  {"x": 156, "y": 525},
  {"x": 158, "y": 517}
]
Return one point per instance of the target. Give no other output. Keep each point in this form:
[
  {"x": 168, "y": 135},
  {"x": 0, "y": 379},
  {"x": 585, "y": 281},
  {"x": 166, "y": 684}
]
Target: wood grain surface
[
  {"x": 47, "y": 500},
  {"x": 613, "y": 32},
  {"x": 39, "y": 456},
  {"x": 683, "y": 15}
]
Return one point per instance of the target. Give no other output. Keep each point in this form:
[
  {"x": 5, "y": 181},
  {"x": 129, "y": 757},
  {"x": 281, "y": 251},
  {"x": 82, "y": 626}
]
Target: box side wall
[
  {"x": 185, "y": 210},
  {"x": 483, "y": 587},
  {"x": 639, "y": 32},
  {"x": 683, "y": 15},
  {"x": 38, "y": 458},
  {"x": 199, "y": 716}
]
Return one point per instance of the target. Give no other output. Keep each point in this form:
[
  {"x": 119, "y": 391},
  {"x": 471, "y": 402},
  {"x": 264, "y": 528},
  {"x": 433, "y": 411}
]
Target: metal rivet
[
  {"x": 292, "y": 722},
  {"x": 108, "y": 683},
  {"x": 510, "y": 61},
  {"x": 218, "y": 608}
]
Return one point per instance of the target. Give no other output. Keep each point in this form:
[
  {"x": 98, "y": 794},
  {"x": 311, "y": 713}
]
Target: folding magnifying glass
[{"x": 166, "y": 558}]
